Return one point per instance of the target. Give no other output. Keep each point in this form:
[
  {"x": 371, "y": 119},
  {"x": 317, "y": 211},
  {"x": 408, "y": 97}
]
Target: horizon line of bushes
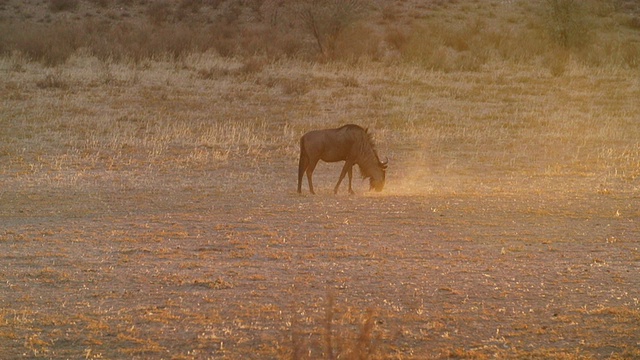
[{"x": 341, "y": 32}]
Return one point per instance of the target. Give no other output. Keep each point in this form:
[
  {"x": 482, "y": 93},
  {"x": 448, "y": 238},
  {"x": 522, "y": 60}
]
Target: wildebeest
[{"x": 351, "y": 144}]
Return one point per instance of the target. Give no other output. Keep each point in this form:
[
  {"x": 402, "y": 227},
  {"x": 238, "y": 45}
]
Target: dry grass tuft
[
  {"x": 53, "y": 80},
  {"x": 343, "y": 336}
]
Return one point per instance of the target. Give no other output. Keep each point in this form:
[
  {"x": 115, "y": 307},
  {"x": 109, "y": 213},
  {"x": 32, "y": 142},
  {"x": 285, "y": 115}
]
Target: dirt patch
[{"x": 227, "y": 269}]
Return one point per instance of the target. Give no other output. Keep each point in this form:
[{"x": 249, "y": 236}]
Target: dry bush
[
  {"x": 177, "y": 41},
  {"x": 190, "y": 5},
  {"x": 631, "y": 55},
  {"x": 231, "y": 12},
  {"x": 53, "y": 80},
  {"x": 357, "y": 42},
  {"x": 390, "y": 13},
  {"x": 141, "y": 41},
  {"x": 212, "y": 73},
  {"x": 213, "y": 3},
  {"x": 397, "y": 37},
  {"x": 126, "y": 41},
  {"x": 556, "y": 61},
  {"x": 51, "y": 45},
  {"x": 101, "y": 3},
  {"x": 159, "y": 12},
  {"x": 609, "y": 52},
  {"x": 251, "y": 66},
  {"x": 467, "y": 46},
  {"x": 566, "y": 22},
  {"x": 325, "y": 20},
  {"x": 447, "y": 47},
  {"x": 294, "y": 86},
  {"x": 63, "y": 5},
  {"x": 187, "y": 9},
  {"x": 349, "y": 81},
  {"x": 521, "y": 46},
  {"x": 338, "y": 30},
  {"x": 268, "y": 41}
]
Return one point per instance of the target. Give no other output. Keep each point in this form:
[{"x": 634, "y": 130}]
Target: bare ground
[{"x": 216, "y": 264}]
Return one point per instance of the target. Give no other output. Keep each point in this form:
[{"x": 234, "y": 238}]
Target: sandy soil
[{"x": 232, "y": 263}]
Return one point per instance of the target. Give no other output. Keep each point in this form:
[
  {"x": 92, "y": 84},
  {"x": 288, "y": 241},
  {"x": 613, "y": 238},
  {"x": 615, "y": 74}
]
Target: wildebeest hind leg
[
  {"x": 310, "y": 168},
  {"x": 302, "y": 166}
]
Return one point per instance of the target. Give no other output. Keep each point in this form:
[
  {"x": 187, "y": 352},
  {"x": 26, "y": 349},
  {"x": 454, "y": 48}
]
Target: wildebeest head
[{"x": 376, "y": 181}]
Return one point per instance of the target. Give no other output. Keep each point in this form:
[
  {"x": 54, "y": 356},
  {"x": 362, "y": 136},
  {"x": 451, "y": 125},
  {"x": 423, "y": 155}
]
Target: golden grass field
[{"x": 148, "y": 209}]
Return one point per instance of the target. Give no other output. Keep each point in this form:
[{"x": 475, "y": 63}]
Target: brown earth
[{"x": 209, "y": 264}]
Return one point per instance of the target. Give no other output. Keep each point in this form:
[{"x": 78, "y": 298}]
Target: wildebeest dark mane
[{"x": 367, "y": 153}]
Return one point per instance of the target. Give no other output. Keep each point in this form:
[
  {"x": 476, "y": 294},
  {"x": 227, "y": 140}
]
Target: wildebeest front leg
[
  {"x": 350, "y": 177},
  {"x": 345, "y": 169}
]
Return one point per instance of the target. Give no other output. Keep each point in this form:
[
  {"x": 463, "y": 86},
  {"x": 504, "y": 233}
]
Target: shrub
[
  {"x": 454, "y": 47},
  {"x": 212, "y": 73},
  {"x": 566, "y": 22},
  {"x": 52, "y": 44},
  {"x": 52, "y": 81},
  {"x": 357, "y": 42},
  {"x": 222, "y": 38},
  {"x": 520, "y": 46},
  {"x": 63, "y": 5},
  {"x": 325, "y": 20},
  {"x": 190, "y": 5},
  {"x": 101, "y": 3},
  {"x": 396, "y": 37},
  {"x": 251, "y": 66},
  {"x": 556, "y": 61},
  {"x": 231, "y": 13},
  {"x": 294, "y": 86},
  {"x": 159, "y": 12},
  {"x": 631, "y": 55}
]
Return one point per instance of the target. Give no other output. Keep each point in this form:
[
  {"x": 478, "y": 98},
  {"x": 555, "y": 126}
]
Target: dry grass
[
  {"x": 155, "y": 164},
  {"x": 502, "y": 119},
  {"x": 149, "y": 209}
]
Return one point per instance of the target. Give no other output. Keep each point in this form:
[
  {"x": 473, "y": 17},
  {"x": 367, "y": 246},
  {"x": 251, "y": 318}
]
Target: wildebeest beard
[{"x": 370, "y": 167}]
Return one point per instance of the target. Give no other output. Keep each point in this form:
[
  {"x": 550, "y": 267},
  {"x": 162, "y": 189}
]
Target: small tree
[{"x": 325, "y": 20}]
